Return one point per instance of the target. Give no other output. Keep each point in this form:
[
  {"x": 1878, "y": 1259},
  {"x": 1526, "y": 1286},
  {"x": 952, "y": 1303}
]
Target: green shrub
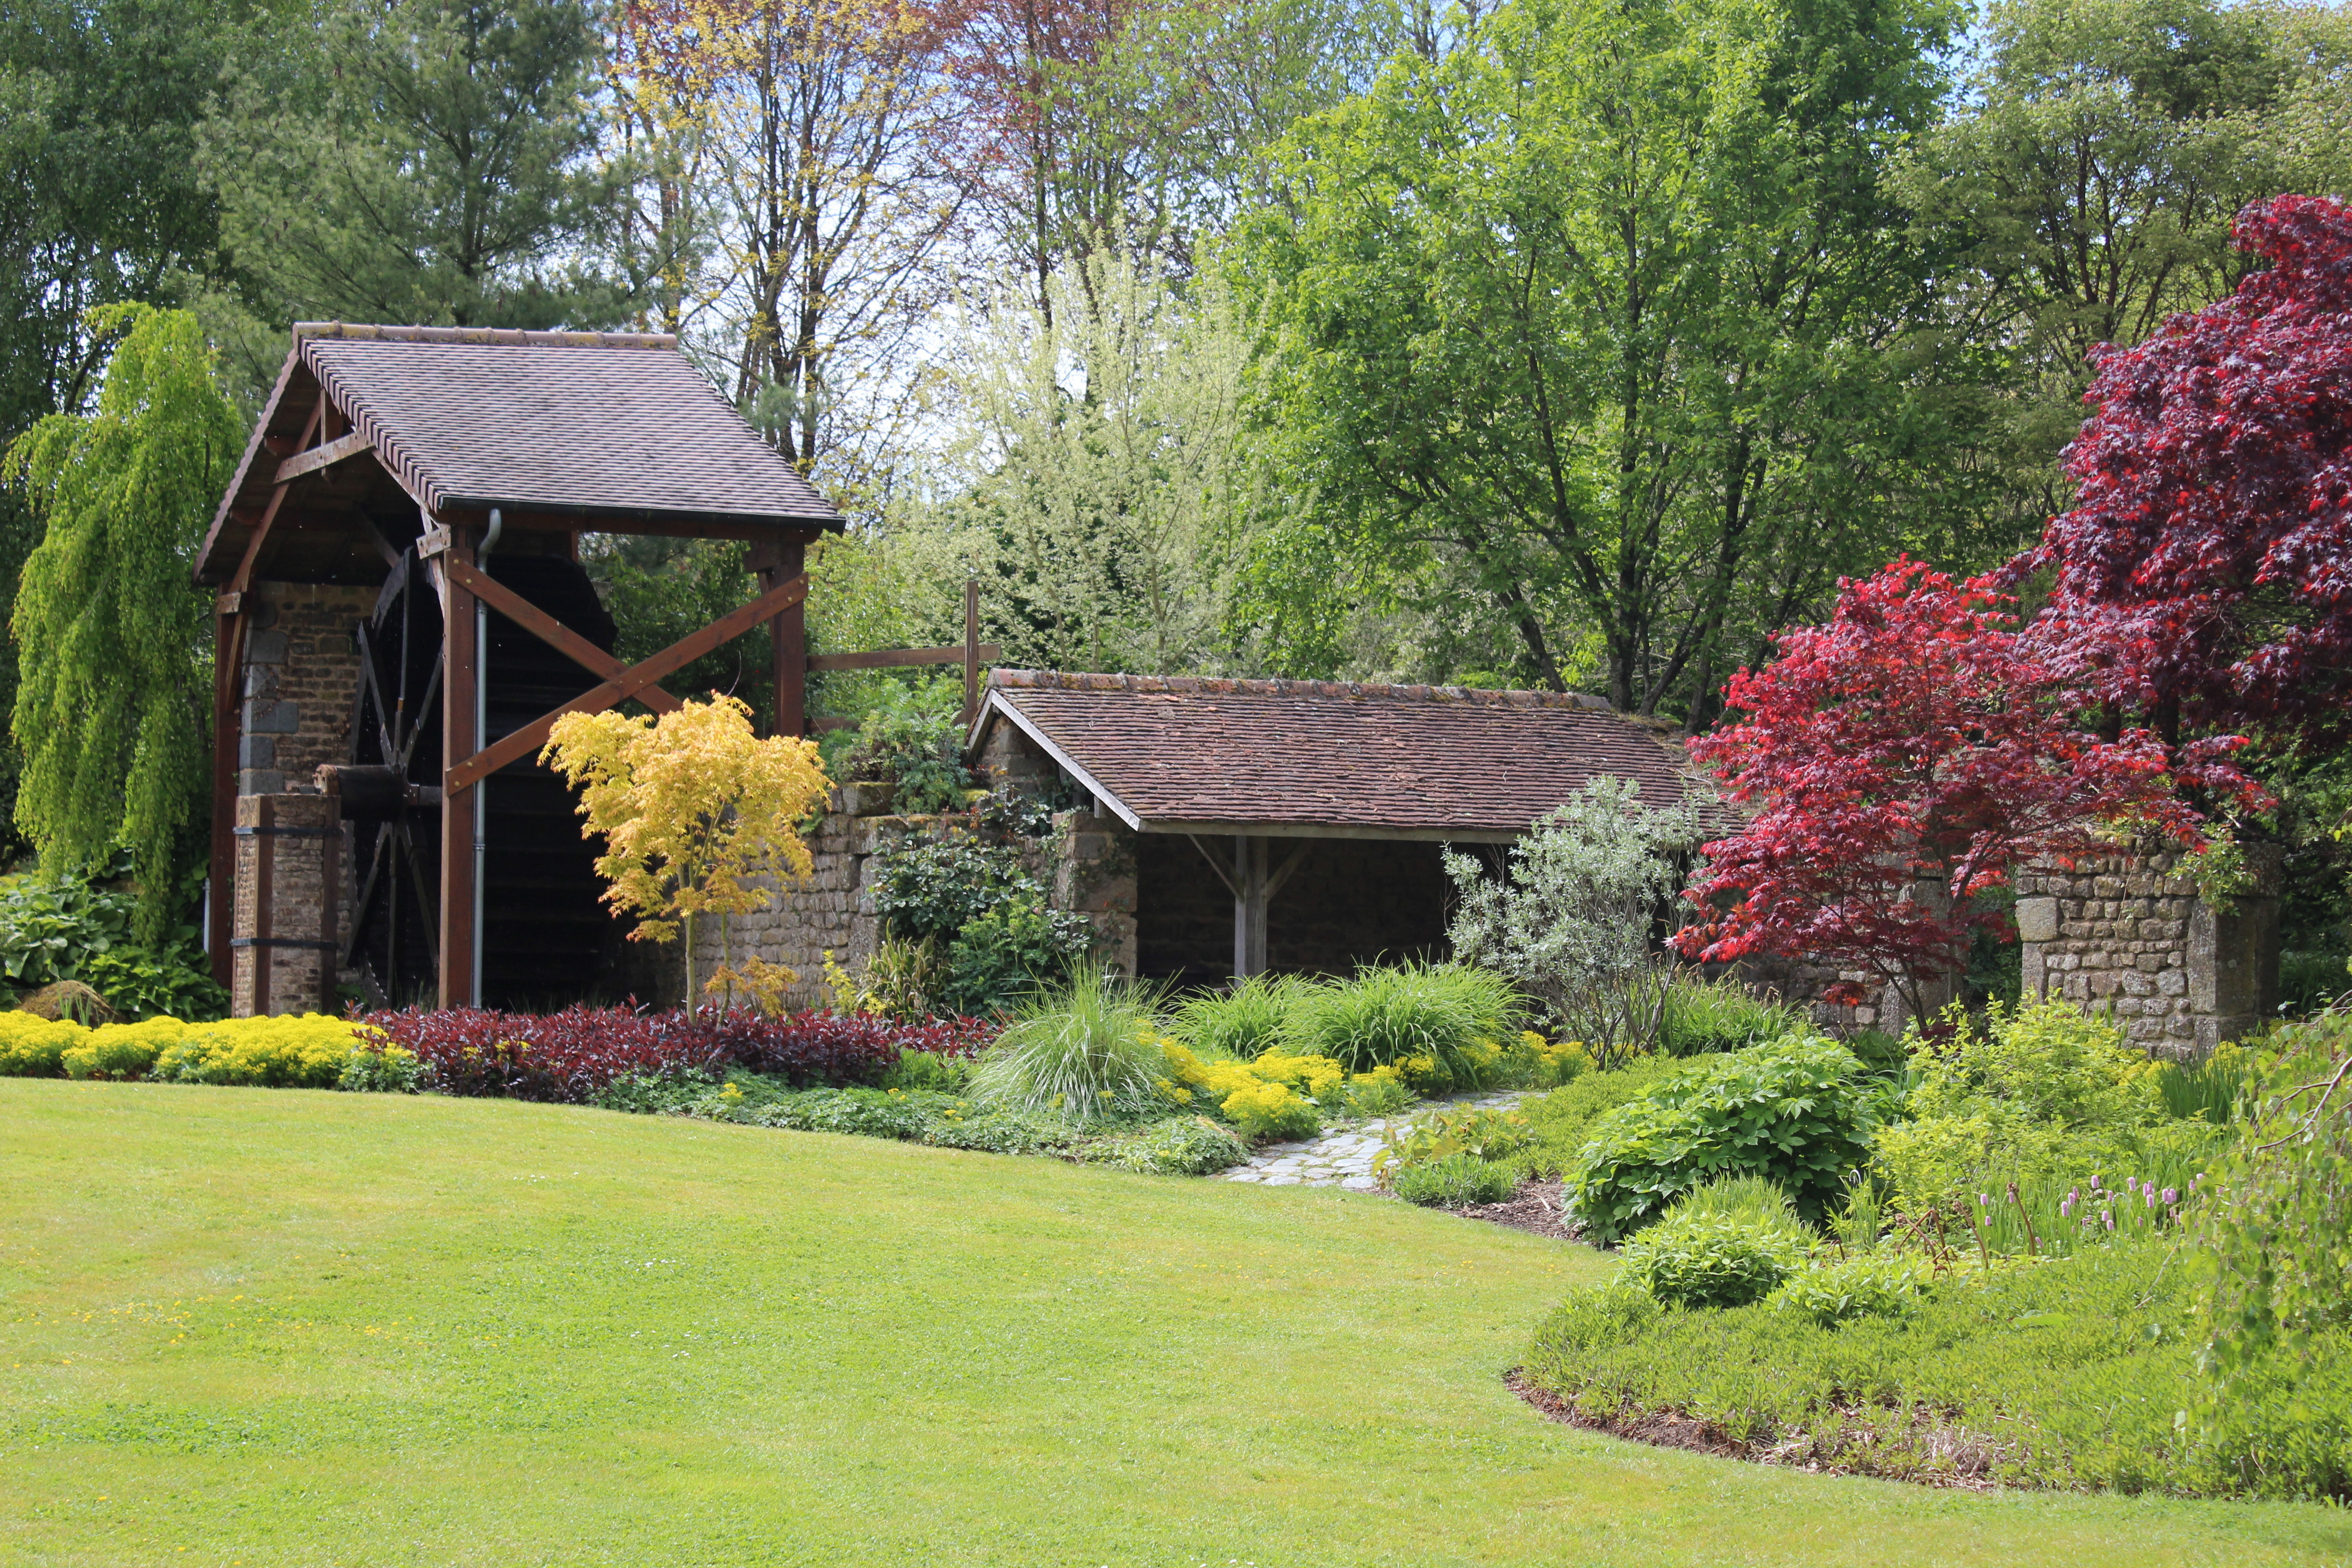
[
  {"x": 1000, "y": 1132},
  {"x": 1799, "y": 1111},
  {"x": 1180, "y": 1146},
  {"x": 122, "y": 1050},
  {"x": 1875, "y": 1285},
  {"x": 928, "y": 887},
  {"x": 861, "y": 1112},
  {"x": 997, "y": 957},
  {"x": 654, "y": 1093},
  {"x": 1698, "y": 1260},
  {"x": 2278, "y": 1247},
  {"x": 1454, "y": 1181},
  {"x": 1451, "y": 1017},
  {"x": 910, "y": 737},
  {"x": 1084, "y": 1052},
  {"x": 1243, "y": 1023},
  {"x": 1751, "y": 1200},
  {"x": 139, "y": 984},
  {"x": 1482, "y": 1132},
  {"x": 382, "y": 1070},
  {"x": 2311, "y": 982},
  {"x": 1376, "y": 1094},
  {"x": 1703, "y": 1016},
  {"x": 34, "y": 1047},
  {"x": 929, "y": 1070},
  {"x": 2042, "y": 1092},
  {"x": 2074, "y": 1374},
  {"x": 1557, "y": 1121}
]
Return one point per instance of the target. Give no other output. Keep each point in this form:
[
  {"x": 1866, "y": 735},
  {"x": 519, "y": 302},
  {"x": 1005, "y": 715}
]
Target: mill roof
[
  {"x": 1174, "y": 755},
  {"x": 614, "y": 429}
]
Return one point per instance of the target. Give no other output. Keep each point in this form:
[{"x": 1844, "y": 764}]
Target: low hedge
[{"x": 572, "y": 1057}]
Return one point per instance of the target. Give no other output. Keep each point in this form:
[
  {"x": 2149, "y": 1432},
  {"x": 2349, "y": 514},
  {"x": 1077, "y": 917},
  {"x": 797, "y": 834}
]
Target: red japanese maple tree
[
  {"x": 2203, "y": 579},
  {"x": 1906, "y": 757}
]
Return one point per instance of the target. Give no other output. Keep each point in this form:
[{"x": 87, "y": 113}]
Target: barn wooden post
[
  {"x": 220, "y": 914},
  {"x": 1249, "y": 907},
  {"x": 779, "y": 563},
  {"x": 459, "y": 985}
]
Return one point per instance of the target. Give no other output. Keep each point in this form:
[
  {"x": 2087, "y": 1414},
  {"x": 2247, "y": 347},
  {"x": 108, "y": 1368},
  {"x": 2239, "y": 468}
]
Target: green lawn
[{"x": 260, "y": 1327}]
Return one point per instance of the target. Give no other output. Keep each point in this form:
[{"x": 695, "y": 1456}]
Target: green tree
[
  {"x": 418, "y": 161},
  {"x": 2086, "y": 185},
  {"x": 110, "y": 625},
  {"x": 1604, "y": 314},
  {"x": 1107, "y": 484}
]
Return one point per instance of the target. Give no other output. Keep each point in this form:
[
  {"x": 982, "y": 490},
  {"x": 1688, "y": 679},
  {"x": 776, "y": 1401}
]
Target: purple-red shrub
[{"x": 572, "y": 1055}]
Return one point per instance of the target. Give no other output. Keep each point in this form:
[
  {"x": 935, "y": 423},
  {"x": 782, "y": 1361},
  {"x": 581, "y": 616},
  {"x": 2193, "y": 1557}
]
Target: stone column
[{"x": 284, "y": 938}]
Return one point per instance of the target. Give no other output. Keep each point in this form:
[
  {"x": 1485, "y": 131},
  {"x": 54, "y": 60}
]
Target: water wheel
[{"x": 546, "y": 939}]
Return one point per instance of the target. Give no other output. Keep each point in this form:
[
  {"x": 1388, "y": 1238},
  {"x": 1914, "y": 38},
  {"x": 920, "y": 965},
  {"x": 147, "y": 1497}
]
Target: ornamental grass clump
[
  {"x": 1447, "y": 1022},
  {"x": 1086, "y": 1051},
  {"x": 1243, "y": 1022}
]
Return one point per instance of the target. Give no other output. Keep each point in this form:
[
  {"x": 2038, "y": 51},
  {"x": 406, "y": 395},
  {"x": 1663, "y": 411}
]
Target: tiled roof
[
  {"x": 1296, "y": 755},
  {"x": 614, "y": 423}
]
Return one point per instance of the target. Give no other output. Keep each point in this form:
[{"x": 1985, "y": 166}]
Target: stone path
[{"x": 1344, "y": 1158}]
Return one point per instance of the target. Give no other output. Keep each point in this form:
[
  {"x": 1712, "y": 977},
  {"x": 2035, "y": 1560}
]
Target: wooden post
[
  {"x": 970, "y": 652},
  {"x": 460, "y": 986},
  {"x": 1250, "y": 895},
  {"x": 787, "y": 635},
  {"x": 229, "y": 654}
]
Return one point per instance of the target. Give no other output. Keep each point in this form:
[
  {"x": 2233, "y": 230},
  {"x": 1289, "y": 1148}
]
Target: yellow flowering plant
[{"x": 695, "y": 810}]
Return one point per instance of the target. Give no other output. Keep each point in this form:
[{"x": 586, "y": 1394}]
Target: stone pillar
[
  {"x": 2127, "y": 934},
  {"x": 290, "y": 853}
]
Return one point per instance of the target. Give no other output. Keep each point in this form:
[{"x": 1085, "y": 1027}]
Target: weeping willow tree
[{"x": 110, "y": 628}]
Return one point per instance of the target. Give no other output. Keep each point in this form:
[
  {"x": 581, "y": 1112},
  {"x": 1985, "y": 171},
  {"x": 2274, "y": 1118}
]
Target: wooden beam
[
  {"x": 458, "y": 739},
  {"x": 970, "y": 655},
  {"x": 220, "y": 918},
  {"x": 787, "y": 635},
  {"x": 524, "y": 742},
  {"x": 902, "y": 658},
  {"x": 549, "y": 630},
  {"x": 243, "y": 577},
  {"x": 327, "y": 456}
]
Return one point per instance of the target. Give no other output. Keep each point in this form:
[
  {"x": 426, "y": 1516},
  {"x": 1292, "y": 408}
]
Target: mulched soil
[
  {"x": 1895, "y": 1444},
  {"x": 1534, "y": 1209}
]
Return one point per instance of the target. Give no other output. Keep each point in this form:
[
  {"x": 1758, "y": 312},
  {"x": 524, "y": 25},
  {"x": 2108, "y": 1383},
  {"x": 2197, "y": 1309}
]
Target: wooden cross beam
[
  {"x": 624, "y": 684},
  {"x": 549, "y": 630}
]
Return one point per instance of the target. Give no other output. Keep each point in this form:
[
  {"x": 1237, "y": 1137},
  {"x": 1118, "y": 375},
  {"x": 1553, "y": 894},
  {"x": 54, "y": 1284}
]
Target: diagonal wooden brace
[
  {"x": 628, "y": 683},
  {"x": 549, "y": 630}
]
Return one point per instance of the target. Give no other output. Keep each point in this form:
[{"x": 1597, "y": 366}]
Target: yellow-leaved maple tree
[{"x": 696, "y": 811}]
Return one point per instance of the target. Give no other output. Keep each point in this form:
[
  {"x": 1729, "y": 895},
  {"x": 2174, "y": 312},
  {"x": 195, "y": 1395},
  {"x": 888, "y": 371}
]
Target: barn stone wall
[
  {"x": 300, "y": 678},
  {"x": 1084, "y": 865}
]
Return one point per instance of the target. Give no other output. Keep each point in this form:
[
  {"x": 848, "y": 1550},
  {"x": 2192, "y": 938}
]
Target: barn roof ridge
[
  {"x": 495, "y": 337},
  {"x": 1277, "y": 686}
]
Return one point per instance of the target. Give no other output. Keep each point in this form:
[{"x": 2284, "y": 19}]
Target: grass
[{"x": 283, "y": 1327}]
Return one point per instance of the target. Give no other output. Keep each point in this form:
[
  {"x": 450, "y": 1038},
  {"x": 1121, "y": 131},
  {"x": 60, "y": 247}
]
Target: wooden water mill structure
[{"x": 403, "y": 615}]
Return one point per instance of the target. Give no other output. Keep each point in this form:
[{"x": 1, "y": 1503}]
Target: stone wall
[
  {"x": 2128, "y": 934},
  {"x": 1084, "y": 865},
  {"x": 294, "y": 887},
  {"x": 301, "y": 677}
]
